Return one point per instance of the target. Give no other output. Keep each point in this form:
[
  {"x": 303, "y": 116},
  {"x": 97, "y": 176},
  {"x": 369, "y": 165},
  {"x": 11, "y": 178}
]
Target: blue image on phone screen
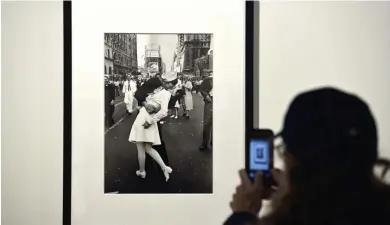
[{"x": 258, "y": 157}]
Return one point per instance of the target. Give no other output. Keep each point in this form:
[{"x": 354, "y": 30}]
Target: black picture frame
[
  {"x": 251, "y": 66},
  {"x": 67, "y": 117}
]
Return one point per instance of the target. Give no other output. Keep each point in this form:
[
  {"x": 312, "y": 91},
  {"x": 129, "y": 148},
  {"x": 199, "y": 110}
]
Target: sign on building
[{"x": 153, "y": 67}]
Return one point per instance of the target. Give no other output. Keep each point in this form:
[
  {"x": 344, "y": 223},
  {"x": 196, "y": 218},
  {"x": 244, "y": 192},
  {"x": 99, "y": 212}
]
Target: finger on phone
[
  {"x": 244, "y": 177},
  {"x": 258, "y": 181}
]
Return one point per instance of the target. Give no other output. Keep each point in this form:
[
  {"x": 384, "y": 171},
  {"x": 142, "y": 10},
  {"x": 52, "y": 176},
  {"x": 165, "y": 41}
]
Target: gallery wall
[
  {"x": 32, "y": 113},
  {"x": 311, "y": 44},
  {"x": 303, "y": 45}
]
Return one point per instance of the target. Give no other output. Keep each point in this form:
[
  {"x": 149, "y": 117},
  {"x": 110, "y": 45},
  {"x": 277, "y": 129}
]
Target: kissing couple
[{"x": 145, "y": 130}]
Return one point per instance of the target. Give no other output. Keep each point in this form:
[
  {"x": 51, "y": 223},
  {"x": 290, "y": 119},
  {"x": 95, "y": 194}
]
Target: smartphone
[{"x": 259, "y": 154}]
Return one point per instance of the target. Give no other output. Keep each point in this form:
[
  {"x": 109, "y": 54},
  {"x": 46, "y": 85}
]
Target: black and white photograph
[{"x": 158, "y": 113}]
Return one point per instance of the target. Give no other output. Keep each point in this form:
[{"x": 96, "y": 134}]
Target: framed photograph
[
  {"x": 145, "y": 142},
  {"x": 154, "y": 79}
]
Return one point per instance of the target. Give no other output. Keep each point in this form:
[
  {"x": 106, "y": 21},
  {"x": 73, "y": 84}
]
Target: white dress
[
  {"x": 151, "y": 135},
  {"x": 177, "y": 87},
  {"x": 188, "y": 101}
]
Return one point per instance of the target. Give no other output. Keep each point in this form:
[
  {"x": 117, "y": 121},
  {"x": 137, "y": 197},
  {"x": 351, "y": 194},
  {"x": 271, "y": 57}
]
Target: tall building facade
[
  {"x": 190, "y": 49},
  {"x": 121, "y": 49},
  {"x": 133, "y": 50},
  {"x": 108, "y": 60}
]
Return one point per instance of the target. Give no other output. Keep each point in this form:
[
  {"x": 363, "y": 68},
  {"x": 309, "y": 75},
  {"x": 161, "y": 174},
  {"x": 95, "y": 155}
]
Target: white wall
[
  {"x": 304, "y": 45},
  {"x": 310, "y": 44},
  {"x": 32, "y": 113}
]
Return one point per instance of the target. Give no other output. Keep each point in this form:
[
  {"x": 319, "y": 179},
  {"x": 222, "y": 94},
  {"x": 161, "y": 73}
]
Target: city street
[
  {"x": 118, "y": 99},
  {"x": 192, "y": 169}
]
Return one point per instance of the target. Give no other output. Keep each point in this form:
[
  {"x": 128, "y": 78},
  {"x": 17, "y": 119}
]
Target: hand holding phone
[{"x": 259, "y": 154}]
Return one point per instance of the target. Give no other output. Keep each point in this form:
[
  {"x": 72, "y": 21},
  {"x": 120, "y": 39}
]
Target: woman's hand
[
  {"x": 248, "y": 196},
  {"x": 146, "y": 125}
]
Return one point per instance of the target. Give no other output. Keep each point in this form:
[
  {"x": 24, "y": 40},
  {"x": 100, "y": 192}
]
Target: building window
[
  {"x": 108, "y": 51},
  {"x": 109, "y": 70},
  {"x": 105, "y": 69}
]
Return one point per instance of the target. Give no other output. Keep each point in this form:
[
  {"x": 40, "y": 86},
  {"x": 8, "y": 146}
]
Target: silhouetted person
[{"x": 330, "y": 146}]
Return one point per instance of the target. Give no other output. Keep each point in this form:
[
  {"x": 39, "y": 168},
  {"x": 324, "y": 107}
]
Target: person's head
[
  {"x": 207, "y": 73},
  {"x": 330, "y": 146},
  {"x": 169, "y": 80},
  {"x": 329, "y": 131},
  {"x": 106, "y": 79}
]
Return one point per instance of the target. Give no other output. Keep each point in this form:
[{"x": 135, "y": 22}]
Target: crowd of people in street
[{"x": 153, "y": 99}]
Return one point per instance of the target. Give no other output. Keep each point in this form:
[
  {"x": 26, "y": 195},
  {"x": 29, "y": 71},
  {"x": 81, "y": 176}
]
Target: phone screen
[{"x": 259, "y": 157}]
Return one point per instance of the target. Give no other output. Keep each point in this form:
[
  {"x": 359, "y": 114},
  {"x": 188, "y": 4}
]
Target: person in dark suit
[
  {"x": 109, "y": 96},
  {"x": 142, "y": 92},
  {"x": 206, "y": 90},
  {"x": 175, "y": 98}
]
